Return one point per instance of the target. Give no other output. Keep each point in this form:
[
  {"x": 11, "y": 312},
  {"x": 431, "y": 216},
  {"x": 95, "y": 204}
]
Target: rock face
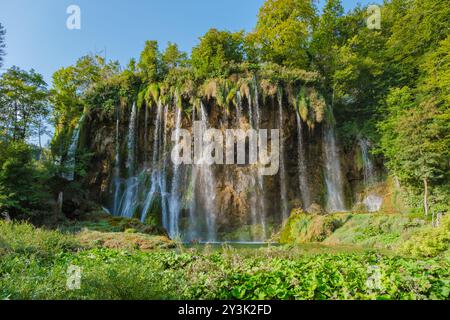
[{"x": 132, "y": 174}]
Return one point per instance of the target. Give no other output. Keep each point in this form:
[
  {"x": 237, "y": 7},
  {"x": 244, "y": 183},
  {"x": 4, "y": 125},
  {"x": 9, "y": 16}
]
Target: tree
[
  {"x": 23, "y": 103},
  {"x": 419, "y": 27},
  {"x": 150, "y": 63},
  {"x": 327, "y": 36},
  {"x": 22, "y": 189},
  {"x": 2, "y": 44},
  {"x": 283, "y": 30},
  {"x": 173, "y": 57},
  {"x": 217, "y": 54},
  {"x": 415, "y": 139}
]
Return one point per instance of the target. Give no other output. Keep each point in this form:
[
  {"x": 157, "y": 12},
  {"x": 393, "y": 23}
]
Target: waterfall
[
  {"x": 127, "y": 205},
  {"x": 193, "y": 229},
  {"x": 333, "y": 174},
  {"x": 207, "y": 182},
  {"x": 261, "y": 216},
  {"x": 72, "y": 152},
  {"x": 238, "y": 107},
  {"x": 372, "y": 202},
  {"x": 146, "y": 136},
  {"x": 117, "y": 184},
  {"x": 175, "y": 198},
  {"x": 156, "y": 171},
  {"x": 202, "y": 178},
  {"x": 283, "y": 191},
  {"x": 369, "y": 176},
  {"x": 163, "y": 175},
  {"x": 302, "y": 169}
]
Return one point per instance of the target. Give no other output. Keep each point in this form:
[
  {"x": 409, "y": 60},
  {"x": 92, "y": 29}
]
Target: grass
[
  {"x": 34, "y": 264},
  {"x": 376, "y": 230},
  {"x": 124, "y": 240}
]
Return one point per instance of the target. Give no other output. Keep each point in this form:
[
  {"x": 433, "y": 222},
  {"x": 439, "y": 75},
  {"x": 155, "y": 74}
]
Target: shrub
[{"x": 430, "y": 241}]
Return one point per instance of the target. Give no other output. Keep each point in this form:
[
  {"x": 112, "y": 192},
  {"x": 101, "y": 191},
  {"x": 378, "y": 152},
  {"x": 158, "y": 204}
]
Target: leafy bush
[
  {"x": 429, "y": 242},
  {"x": 21, "y": 190},
  {"x": 24, "y": 240},
  {"x": 113, "y": 274},
  {"x": 374, "y": 230}
]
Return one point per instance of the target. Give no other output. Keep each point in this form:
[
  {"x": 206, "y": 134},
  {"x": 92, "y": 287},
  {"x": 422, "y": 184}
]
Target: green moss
[{"x": 304, "y": 228}]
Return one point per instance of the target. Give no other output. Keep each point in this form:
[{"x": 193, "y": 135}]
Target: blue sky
[{"x": 37, "y": 36}]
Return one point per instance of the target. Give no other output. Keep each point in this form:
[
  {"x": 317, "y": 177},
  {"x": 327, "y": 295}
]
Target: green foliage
[
  {"x": 415, "y": 139},
  {"x": 419, "y": 27},
  {"x": 150, "y": 64},
  {"x": 376, "y": 231},
  {"x": 34, "y": 265},
  {"x": 283, "y": 30},
  {"x": 429, "y": 242},
  {"x": 23, "y": 103},
  {"x": 22, "y": 192},
  {"x": 22, "y": 240},
  {"x": 173, "y": 57},
  {"x": 217, "y": 54},
  {"x": 304, "y": 228}
]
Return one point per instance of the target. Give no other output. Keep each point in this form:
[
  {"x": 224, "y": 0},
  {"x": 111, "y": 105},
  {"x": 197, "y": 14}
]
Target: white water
[
  {"x": 72, "y": 152},
  {"x": 283, "y": 191},
  {"x": 156, "y": 172},
  {"x": 208, "y": 182},
  {"x": 117, "y": 183},
  {"x": 333, "y": 174},
  {"x": 302, "y": 169},
  {"x": 175, "y": 197},
  {"x": 163, "y": 176},
  {"x": 202, "y": 202},
  {"x": 238, "y": 107},
  {"x": 369, "y": 176},
  {"x": 261, "y": 216},
  {"x": 373, "y": 203},
  {"x": 128, "y": 201}
]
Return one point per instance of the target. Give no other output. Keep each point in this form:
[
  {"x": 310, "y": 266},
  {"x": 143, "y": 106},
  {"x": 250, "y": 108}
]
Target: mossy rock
[{"x": 306, "y": 228}]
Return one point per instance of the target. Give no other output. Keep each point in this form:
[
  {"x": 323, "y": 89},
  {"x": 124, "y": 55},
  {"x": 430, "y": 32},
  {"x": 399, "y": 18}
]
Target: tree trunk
[{"x": 425, "y": 196}]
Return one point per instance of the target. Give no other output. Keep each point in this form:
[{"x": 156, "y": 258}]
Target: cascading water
[
  {"x": 193, "y": 230},
  {"x": 302, "y": 169},
  {"x": 261, "y": 198},
  {"x": 245, "y": 186},
  {"x": 202, "y": 178},
  {"x": 163, "y": 175},
  {"x": 127, "y": 205},
  {"x": 146, "y": 133},
  {"x": 156, "y": 171},
  {"x": 175, "y": 197},
  {"x": 72, "y": 152},
  {"x": 333, "y": 175},
  {"x": 116, "y": 179},
  {"x": 372, "y": 202},
  {"x": 283, "y": 190},
  {"x": 369, "y": 176},
  {"x": 207, "y": 182},
  {"x": 238, "y": 107}
]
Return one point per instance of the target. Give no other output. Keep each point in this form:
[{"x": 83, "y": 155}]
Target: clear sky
[{"x": 37, "y": 36}]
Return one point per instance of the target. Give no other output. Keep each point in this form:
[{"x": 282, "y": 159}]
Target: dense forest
[{"x": 364, "y": 112}]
